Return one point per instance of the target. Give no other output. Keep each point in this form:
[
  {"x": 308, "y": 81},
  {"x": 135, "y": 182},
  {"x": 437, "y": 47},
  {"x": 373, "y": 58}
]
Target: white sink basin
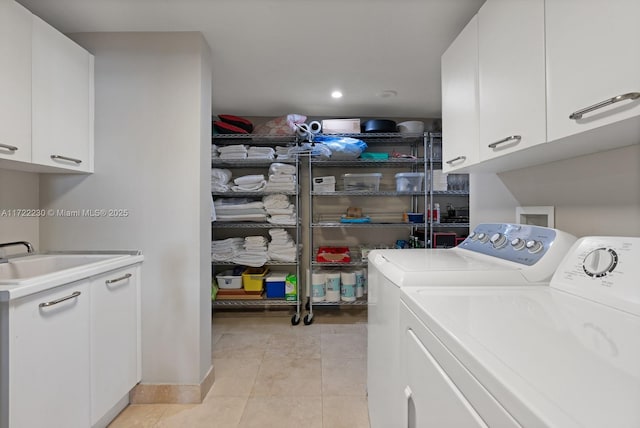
[{"x": 28, "y": 267}]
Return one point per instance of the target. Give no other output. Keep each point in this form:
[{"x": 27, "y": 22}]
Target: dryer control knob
[
  {"x": 472, "y": 236},
  {"x": 600, "y": 262},
  {"x": 483, "y": 237},
  {"x": 517, "y": 244},
  {"x": 534, "y": 246},
  {"x": 498, "y": 240}
]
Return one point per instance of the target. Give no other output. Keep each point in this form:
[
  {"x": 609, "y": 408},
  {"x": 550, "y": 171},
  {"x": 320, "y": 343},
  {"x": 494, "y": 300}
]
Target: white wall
[
  {"x": 18, "y": 190},
  {"x": 489, "y": 200},
  {"x": 597, "y": 194},
  {"x": 152, "y": 158}
]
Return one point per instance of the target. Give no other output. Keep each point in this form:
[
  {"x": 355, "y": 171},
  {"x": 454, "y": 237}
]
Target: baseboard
[{"x": 172, "y": 394}]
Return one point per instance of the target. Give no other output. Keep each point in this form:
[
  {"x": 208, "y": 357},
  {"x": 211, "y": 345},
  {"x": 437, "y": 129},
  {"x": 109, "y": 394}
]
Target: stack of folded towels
[
  {"x": 254, "y": 253},
  {"x": 239, "y": 209},
  {"x": 282, "y": 178},
  {"x": 260, "y": 153},
  {"x": 249, "y": 183},
  {"x": 226, "y": 249},
  {"x": 214, "y": 151},
  {"x": 281, "y": 248},
  {"x": 220, "y": 179},
  {"x": 280, "y": 210},
  {"x": 283, "y": 153},
  {"x": 235, "y": 151}
]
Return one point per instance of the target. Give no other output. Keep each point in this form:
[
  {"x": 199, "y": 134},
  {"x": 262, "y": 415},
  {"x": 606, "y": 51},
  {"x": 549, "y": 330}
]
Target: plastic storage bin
[
  {"x": 409, "y": 181},
  {"x": 274, "y": 283},
  {"x": 252, "y": 278},
  {"x": 324, "y": 184},
  {"x": 227, "y": 280},
  {"x": 366, "y": 182}
]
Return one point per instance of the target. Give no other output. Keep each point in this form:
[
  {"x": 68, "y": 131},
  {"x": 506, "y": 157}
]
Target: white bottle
[{"x": 436, "y": 213}]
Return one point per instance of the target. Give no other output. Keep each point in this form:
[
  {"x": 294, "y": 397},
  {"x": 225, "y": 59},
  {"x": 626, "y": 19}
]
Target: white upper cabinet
[
  {"x": 15, "y": 82},
  {"x": 62, "y": 82},
  {"x": 460, "y": 100},
  {"x": 511, "y": 76},
  {"x": 593, "y": 57}
]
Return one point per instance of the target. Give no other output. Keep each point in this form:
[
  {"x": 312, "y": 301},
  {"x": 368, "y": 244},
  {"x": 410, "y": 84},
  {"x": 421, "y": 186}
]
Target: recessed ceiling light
[
  {"x": 336, "y": 94},
  {"x": 387, "y": 93}
]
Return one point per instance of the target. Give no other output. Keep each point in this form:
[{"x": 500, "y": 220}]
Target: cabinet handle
[
  {"x": 630, "y": 96},
  {"x": 510, "y": 138},
  {"x": 8, "y": 147},
  {"x": 78, "y": 161},
  {"x": 122, "y": 278},
  {"x": 62, "y": 299},
  {"x": 462, "y": 158}
]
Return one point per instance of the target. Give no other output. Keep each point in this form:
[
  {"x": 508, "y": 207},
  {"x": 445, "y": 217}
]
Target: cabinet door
[
  {"x": 15, "y": 82},
  {"x": 592, "y": 56},
  {"x": 511, "y": 76},
  {"x": 460, "y": 100},
  {"x": 62, "y": 100},
  {"x": 49, "y": 358},
  {"x": 114, "y": 338}
]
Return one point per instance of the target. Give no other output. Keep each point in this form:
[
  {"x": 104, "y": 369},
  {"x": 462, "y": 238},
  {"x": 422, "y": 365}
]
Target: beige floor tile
[
  {"x": 293, "y": 346},
  {"x": 345, "y": 329},
  {"x": 241, "y": 345},
  {"x": 259, "y": 325},
  {"x": 344, "y": 377},
  {"x": 234, "y": 377},
  {"x": 216, "y": 412},
  {"x": 345, "y": 412},
  {"x": 282, "y": 412},
  {"x": 344, "y": 345},
  {"x": 139, "y": 416},
  {"x": 283, "y": 377}
]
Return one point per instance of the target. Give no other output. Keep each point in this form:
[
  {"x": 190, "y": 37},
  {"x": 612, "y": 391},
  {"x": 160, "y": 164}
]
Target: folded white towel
[
  {"x": 289, "y": 210},
  {"x": 253, "y": 187},
  {"x": 282, "y": 178},
  {"x": 234, "y": 148},
  {"x": 281, "y": 168},
  {"x": 233, "y": 156},
  {"x": 244, "y": 217},
  {"x": 217, "y": 187},
  {"x": 237, "y": 203},
  {"x": 220, "y": 175},
  {"x": 249, "y": 179}
]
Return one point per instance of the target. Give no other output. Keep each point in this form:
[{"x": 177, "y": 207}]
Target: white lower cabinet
[
  {"x": 115, "y": 324},
  {"x": 49, "y": 359},
  {"x": 70, "y": 355}
]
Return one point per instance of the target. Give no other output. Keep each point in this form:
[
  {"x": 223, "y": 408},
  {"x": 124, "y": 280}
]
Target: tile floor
[{"x": 269, "y": 373}]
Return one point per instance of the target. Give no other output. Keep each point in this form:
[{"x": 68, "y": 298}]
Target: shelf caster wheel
[
  {"x": 295, "y": 320},
  {"x": 308, "y": 319}
]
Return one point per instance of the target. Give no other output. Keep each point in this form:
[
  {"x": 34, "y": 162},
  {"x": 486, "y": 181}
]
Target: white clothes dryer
[
  {"x": 494, "y": 253},
  {"x": 566, "y": 355}
]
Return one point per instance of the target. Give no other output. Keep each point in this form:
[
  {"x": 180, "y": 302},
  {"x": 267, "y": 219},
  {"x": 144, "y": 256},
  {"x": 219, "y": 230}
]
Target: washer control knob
[
  {"x": 534, "y": 246},
  {"x": 483, "y": 237},
  {"x": 517, "y": 244},
  {"x": 600, "y": 262},
  {"x": 498, "y": 240},
  {"x": 472, "y": 236}
]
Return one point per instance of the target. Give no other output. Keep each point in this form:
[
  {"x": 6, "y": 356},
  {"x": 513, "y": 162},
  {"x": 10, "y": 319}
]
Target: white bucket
[
  {"x": 332, "y": 284},
  {"x": 318, "y": 286}
]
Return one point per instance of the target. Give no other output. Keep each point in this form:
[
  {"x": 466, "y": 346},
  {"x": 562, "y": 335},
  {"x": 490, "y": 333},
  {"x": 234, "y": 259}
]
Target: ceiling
[{"x": 273, "y": 57}]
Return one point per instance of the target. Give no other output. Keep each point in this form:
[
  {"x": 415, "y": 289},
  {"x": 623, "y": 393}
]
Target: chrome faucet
[{"x": 27, "y": 244}]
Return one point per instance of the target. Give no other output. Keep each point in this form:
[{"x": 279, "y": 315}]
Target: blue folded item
[{"x": 364, "y": 219}]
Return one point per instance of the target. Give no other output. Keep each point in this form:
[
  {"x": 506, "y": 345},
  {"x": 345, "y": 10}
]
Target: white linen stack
[
  {"x": 282, "y": 178},
  {"x": 282, "y": 153},
  {"x": 220, "y": 179},
  {"x": 254, "y": 253},
  {"x": 225, "y": 250},
  {"x": 256, "y": 152},
  {"x": 214, "y": 152},
  {"x": 249, "y": 183},
  {"x": 279, "y": 209},
  {"x": 239, "y": 209},
  {"x": 282, "y": 247},
  {"x": 235, "y": 151}
]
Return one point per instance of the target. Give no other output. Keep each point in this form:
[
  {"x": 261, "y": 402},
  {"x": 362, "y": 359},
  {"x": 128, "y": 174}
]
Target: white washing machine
[
  {"x": 566, "y": 355},
  {"x": 494, "y": 253}
]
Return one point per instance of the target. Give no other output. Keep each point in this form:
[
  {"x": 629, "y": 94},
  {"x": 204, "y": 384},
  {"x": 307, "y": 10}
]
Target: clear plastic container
[
  {"x": 365, "y": 182},
  {"x": 409, "y": 181}
]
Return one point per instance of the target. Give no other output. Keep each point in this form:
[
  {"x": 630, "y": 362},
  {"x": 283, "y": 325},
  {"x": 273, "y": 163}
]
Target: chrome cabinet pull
[
  {"x": 62, "y": 299},
  {"x": 463, "y": 158},
  {"x": 8, "y": 147},
  {"x": 505, "y": 140},
  {"x": 122, "y": 278},
  {"x": 78, "y": 161},
  {"x": 630, "y": 96}
]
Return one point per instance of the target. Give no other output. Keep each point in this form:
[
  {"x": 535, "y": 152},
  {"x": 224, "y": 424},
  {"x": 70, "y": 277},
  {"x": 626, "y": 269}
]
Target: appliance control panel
[
  {"x": 519, "y": 243},
  {"x": 605, "y": 269}
]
